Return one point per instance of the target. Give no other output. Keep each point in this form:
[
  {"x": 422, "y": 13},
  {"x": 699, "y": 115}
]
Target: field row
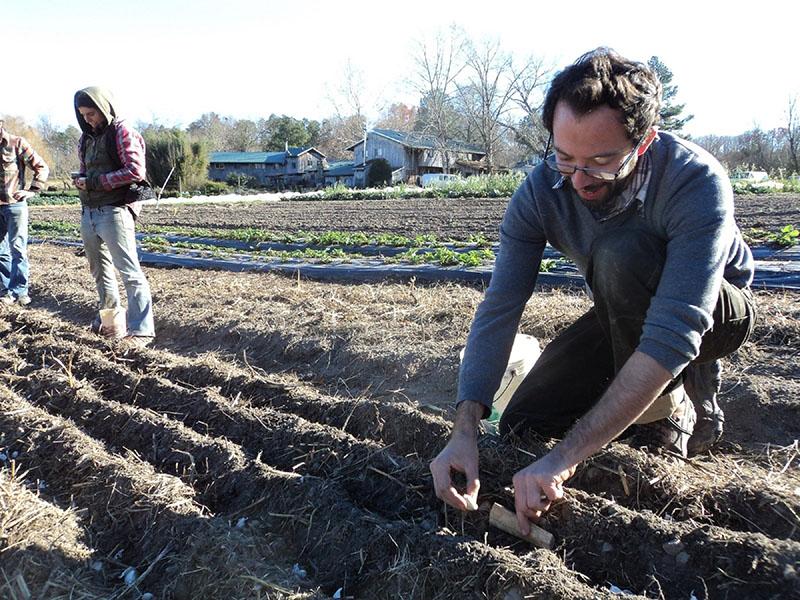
[{"x": 201, "y": 475}]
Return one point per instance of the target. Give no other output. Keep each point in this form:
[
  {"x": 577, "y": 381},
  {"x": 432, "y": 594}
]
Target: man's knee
[{"x": 623, "y": 260}]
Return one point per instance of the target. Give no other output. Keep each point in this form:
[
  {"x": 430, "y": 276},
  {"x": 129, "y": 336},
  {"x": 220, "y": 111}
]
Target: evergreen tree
[
  {"x": 671, "y": 113},
  {"x": 283, "y": 130}
]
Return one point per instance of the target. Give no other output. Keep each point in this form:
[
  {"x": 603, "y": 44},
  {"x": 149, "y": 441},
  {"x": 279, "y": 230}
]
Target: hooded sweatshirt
[{"x": 106, "y": 182}]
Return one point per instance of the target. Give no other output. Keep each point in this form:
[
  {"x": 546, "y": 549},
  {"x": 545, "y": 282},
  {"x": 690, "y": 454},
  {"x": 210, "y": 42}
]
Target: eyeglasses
[{"x": 566, "y": 169}]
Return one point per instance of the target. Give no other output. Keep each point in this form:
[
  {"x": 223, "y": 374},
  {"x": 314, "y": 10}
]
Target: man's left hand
[
  {"x": 20, "y": 195},
  {"x": 537, "y": 486}
]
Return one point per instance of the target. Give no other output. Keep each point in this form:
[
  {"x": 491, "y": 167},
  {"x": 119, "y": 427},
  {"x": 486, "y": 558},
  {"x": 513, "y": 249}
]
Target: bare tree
[
  {"x": 485, "y": 94},
  {"x": 349, "y": 122},
  {"x": 60, "y": 145},
  {"x": 793, "y": 134},
  {"x": 242, "y": 136},
  {"x": 336, "y": 134},
  {"x": 529, "y": 82},
  {"x": 437, "y": 65},
  {"x": 211, "y": 129},
  {"x": 398, "y": 117},
  {"x": 347, "y": 98}
]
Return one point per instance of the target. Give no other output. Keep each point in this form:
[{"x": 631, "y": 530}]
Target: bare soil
[
  {"x": 456, "y": 219},
  {"x": 274, "y": 442}
]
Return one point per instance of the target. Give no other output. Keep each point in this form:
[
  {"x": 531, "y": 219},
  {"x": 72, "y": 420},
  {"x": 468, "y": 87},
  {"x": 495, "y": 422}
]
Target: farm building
[
  {"x": 340, "y": 172},
  {"x": 413, "y": 154},
  {"x": 294, "y": 167}
]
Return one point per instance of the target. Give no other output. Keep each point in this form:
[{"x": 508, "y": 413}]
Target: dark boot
[
  {"x": 702, "y": 383},
  {"x": 708, "y": 430},
  {"x": 672, "y": 433}
]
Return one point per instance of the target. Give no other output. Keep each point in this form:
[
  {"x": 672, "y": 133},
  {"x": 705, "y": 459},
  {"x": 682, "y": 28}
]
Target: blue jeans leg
[
  {"x": 14, "y": 268},
  {"x": 109, "y": 241},
  {"x": 5, "y": 261}
]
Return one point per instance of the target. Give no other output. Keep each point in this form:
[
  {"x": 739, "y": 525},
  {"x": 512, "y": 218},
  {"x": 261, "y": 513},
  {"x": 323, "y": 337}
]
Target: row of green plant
[
  {"x": 48, "y": 229},
  {"x": 55, "y": 198},
  {"x": 478, "y": 186},
  {"x": 785, "y": 237},
  {"x": 440, "y": 256},
  {"x": 253, "y": 236}
]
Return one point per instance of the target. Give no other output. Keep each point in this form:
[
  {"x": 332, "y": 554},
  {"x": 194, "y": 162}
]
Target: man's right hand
[{"x": 460, "y": 454}]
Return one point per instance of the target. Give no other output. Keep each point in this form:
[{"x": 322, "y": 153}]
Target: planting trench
[
  {"x": 275, "y": 442},
  {"x": 210, "y": 476}
]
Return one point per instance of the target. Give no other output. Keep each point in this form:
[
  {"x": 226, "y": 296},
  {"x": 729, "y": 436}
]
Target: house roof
[
  {"x": 270, "y": 158},
  {"x": 341, "y": 168},
  {"x": 418, "y": 140}
]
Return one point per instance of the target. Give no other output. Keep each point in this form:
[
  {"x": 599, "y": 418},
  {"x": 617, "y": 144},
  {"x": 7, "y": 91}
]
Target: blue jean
[
  {"x": 109, "y": 241},
  {"x": 14, "y": 268}
]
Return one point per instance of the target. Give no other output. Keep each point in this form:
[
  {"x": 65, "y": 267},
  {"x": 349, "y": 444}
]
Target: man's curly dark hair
[{"x": 603, "y": 77}]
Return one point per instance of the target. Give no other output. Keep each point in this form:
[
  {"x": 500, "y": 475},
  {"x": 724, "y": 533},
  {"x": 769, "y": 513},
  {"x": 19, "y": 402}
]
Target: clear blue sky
[{"x": 735, "y": 63}]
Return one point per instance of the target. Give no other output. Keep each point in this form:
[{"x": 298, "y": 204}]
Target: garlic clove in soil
[{"x": 129, "y": 576}]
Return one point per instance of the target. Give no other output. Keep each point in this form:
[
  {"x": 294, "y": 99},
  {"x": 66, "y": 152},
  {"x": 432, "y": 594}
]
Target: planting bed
[
  {"x": 445, "y": 218},
  {"x": 274, "y": 443}
]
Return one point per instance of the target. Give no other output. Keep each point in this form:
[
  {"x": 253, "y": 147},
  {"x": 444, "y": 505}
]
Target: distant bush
[
  {"x": 379, "y": 173},
  {"x": 791, "y": 184},
  {"x": 241, "y": 180},
  {"x": 58, "y": 193},
  {"x": 761, "y": 187},
  {"x": 214, "y": 188}
]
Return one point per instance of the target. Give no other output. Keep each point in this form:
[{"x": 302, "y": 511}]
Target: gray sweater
[{"x": 689, "y": 204}]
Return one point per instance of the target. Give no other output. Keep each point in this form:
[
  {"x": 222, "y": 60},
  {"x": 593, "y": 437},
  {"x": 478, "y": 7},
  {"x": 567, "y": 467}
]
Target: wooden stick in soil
[{"x": 504, "y": 519}]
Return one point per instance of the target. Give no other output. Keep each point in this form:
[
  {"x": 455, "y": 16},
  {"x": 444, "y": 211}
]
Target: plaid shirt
[
  {"x": 17, "y": 154},
  {"x": 131, "y": 152}
]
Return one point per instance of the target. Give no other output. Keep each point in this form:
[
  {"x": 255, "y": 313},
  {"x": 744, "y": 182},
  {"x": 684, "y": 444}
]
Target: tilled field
[
  {"x": 456, "y": 219},
  {"x": 274, "y": 443}
]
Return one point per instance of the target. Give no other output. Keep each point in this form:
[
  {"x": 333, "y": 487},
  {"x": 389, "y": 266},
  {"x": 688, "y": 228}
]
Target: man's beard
[{"x": 612, "y": 200}]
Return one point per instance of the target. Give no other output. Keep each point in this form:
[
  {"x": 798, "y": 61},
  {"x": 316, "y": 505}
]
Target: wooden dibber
[{"x": 504, "y": 519}]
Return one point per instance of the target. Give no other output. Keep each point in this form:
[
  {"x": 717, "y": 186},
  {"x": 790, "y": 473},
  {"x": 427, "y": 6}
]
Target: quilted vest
[{"x": 98, "y": 160}]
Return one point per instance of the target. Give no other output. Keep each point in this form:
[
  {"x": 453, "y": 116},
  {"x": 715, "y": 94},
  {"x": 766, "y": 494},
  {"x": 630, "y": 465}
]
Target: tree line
[{"x": 468, "y": 92}]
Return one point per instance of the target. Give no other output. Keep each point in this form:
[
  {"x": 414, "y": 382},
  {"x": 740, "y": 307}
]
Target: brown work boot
[
  {"x": 672, "y": 433},
  {"x": 707, "y": 430}
]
